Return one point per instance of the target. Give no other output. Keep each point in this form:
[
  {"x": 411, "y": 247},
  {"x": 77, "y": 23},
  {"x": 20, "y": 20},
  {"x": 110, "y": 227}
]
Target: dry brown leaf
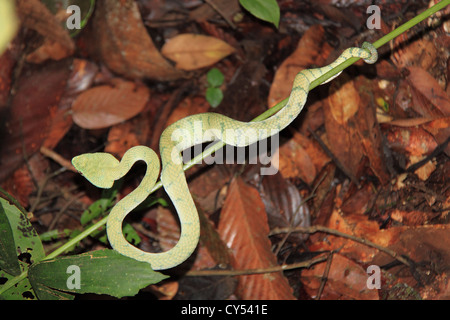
[
  {"x": 440, "y": 129},
  {"x": 427, "y": 245},
  {"x": 122, "y": 137},
  {"x": 57, "y": 44},
  {"x": 194, "y": 51},
  {"x": 423, "y": 82},
  {"x": 104, "y": 106},
  {"x": 124, "y": 44},
  {"x": 354, "y": 224},
  {"x": 409, "y": 218},
  {"x": 344, "y": 100},
  {"x": 243, "y": 226},
  {"x": 301, "y": 158},
  {"x": 413, "y": 141},
  {"x": 346, "y": 280},
  {"x": 409, "y": 122},
  {"x": 421, "y": 53},
  {"x": 187, "y": 107},
  {"x": 342, "y": 134},
  {"x": 424, "y": 171},
  {"x": 26, "y": 125},
  {"x": 306, "y": 54},
  {"x": 371, "y": 137}
]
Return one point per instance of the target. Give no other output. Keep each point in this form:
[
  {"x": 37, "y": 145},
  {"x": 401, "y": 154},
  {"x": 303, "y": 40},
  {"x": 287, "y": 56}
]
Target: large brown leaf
[
  {"x": 306, "y": 54},
  {"x": 243, "y": 226},
  {"x": 195, "y": 51},
  {"x": 124, "y": 44},
  {"x": 25, "y": 125},
  {"x": 424, "y": 83},
  {"x": 104, "y": 106}
]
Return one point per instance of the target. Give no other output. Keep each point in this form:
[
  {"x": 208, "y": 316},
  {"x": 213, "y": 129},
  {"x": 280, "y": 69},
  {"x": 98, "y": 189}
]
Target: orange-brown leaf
[
  {"x": 104, "y": 106},
  {"x": 124, "y": 45},
  {"x": 345, "y": 280},
  {"x": 194, "y": 51},
  {"x": 431, "y": 90},
  {"x": 243, "y": 226},
  {"x": 306, "y": 54}
]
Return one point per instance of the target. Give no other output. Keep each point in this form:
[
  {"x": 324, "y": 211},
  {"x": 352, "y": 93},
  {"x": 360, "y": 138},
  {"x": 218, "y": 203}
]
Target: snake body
[{"x": 102, "y": 169}]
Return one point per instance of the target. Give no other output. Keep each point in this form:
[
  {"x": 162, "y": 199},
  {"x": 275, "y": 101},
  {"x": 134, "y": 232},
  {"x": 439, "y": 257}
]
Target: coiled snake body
[{"x": 102, "y": 169}]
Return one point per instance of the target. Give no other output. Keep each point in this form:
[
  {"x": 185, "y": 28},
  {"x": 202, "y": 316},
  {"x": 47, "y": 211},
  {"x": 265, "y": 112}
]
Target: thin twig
[
  {"x": 319, "y": 228},
  {"x": 326, "y": 272},
  {"x": 63, "y": 210},
  {"x": 58, "y": 159},
  {"x": 284, "y": 267}
]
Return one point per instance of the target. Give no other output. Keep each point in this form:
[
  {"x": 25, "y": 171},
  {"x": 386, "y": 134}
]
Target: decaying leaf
[{"x": 194, "y": 51}]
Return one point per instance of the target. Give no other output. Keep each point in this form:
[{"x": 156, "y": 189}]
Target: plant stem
[{"x": 218, "y": 145}]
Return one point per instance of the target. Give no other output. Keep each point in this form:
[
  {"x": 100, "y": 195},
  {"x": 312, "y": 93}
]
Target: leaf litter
[{"x": 368, "y": 157}]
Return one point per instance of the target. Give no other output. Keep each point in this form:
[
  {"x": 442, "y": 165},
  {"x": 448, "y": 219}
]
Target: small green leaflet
[{"x": 267, "y": 10}]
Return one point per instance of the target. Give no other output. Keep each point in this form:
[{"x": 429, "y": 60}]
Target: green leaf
[
  {"x": 26, "y": 239},
  {"x": 214, "y": 96},
  {"x": 99, "y": 207},
  {"x": 54, "y": 235},
  {"x": 100, "y": 272},
  {"x": 8, "y": 255},
  {"x": 131, "y": 234},
  {"x": 20, "y": 291},
  {"x": 267, "y": 10},
  {"x": 215, "y": 77}
]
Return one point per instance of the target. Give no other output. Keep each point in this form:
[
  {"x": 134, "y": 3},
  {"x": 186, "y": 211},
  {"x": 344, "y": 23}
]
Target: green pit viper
[{"x": 102, "y": 169}]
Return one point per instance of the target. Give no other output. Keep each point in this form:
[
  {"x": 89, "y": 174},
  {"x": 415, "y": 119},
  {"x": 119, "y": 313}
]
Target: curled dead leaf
[{"x": 193, "y": 51}]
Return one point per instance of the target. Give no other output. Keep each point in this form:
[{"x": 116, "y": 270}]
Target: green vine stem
[{"x": 217, "y": 146}]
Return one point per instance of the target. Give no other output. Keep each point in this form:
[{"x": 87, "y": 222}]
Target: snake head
[{"x": 97, "y": 168}]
